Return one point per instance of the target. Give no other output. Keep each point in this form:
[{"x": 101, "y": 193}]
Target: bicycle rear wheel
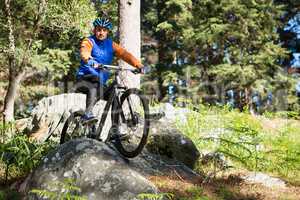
[
  {"x": 73, "y": 128},
  {"x": 132, "y": 123}
]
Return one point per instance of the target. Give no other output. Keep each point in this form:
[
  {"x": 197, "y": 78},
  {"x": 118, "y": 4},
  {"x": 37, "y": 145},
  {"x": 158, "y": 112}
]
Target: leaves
[
  {"x": 23, "y": 153},
  {"x": 69, "y": 188}
]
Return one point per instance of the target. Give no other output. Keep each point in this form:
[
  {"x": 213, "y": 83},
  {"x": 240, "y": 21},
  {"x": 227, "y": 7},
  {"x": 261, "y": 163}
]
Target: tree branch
[
  {"x": 30, "y": 74},
  {"x": 38, "y": 20}
]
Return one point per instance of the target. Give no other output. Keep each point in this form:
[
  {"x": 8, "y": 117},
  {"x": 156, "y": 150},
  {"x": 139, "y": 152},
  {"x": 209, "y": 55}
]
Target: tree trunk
[
  {"x": 130, "y": 36},
  {"x": 11, "y": 91},
  {"x": 10, "y": 96},
  {"x": 162, "y": 90},
  {"x": 160, "y": 36}
]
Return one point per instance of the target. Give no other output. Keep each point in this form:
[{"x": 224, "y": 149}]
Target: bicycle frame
[{"x": 115, "y": 104}]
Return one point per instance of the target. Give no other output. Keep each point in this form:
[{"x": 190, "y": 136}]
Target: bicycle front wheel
[{"x": 132, "y": 123}]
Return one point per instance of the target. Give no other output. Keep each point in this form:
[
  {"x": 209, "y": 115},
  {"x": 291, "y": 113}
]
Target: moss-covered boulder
[
  {"x": 96, "y": 170},
  {"x": 168, "y": 141}
]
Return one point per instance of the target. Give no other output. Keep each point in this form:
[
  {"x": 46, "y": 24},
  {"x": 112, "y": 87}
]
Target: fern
[
  {"x": 22, "y": 154},
  {"x": 160, "y": 196},
  {"x": 68, "y": 185},
  {"x": 44, "y": 193}
]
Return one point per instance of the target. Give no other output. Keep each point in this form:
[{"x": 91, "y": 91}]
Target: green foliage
[
  {"x": 238, "y": 42},
  {"x": 195, "y": 193},
  {"x": 160, "y": 196},
  {"x": 20, "y": 153},
  {"x": 282, "y": 114},
  {"x": 168, "y": 22},
  {"x": 29, "y": 97},
  {"x": 55, "y": 41},
  {"x": 46, "y": 36},
  {"x": 65, "y": 23},
  {"x": 71, "y": 191},
  {"x": 10, "y": 194},
  {"x": 6, "y": 130},
  {"x": 218, "y": 44},
  {"x": 35, "y": 93},
  {"x": 69, "y": 16},
  {"x": 225, "y": 194},
  {"x": 246, "y": 140}
]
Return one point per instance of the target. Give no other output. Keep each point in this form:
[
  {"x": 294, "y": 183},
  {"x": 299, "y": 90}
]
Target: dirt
[{"x": 229, "y": 187}]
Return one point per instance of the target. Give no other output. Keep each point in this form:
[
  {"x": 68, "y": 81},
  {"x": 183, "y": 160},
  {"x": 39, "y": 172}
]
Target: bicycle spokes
[{"x": 133, "y": 123}]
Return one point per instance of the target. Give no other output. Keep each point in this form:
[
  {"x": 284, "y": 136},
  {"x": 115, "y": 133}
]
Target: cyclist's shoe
[{"x": 89, "y": 119}]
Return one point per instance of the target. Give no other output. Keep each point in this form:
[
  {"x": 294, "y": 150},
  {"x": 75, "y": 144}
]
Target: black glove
[
  {"x": 137, "y": 71},
  {"x": 142, "y": 70}
]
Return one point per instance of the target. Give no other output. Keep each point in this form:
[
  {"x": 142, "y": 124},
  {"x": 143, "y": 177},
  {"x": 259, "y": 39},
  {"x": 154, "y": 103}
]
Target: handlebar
[{"x": 118, "y": 68}]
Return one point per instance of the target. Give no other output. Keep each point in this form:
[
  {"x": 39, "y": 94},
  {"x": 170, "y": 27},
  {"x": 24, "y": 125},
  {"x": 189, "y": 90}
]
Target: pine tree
[
  {"x": 167, "y": 22},
  {"x": 238, "y": 44}
]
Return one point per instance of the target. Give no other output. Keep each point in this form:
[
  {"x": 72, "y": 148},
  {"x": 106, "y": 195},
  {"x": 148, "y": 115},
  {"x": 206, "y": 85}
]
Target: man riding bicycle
[{"x": 96, "y": 50}]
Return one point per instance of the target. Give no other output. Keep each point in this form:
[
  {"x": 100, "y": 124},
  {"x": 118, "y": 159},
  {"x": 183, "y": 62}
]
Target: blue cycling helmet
[{"x": 103, "y": 22}]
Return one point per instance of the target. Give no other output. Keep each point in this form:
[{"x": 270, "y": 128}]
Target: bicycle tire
[
  {"x": 146, "y": 125},
  {"x": 71, "y": 119}
]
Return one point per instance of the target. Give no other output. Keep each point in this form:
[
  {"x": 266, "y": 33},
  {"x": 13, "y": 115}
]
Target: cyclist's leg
[
  {"x": 100, "y": 91},
  {"x": 88, "y": 85},
  {"x": 91, "y": 98}
]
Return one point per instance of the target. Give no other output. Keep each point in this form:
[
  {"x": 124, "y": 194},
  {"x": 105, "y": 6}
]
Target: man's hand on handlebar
[
  {"x": 98, "y": 66},
  {"x": 94, "y": 64},
  {"x": 142, "y": 70}
]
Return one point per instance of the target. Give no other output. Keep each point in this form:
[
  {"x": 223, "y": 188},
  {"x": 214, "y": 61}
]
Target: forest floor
[
  {"x": 228, "y": 186},
  {"x": 225, "y": 187}
]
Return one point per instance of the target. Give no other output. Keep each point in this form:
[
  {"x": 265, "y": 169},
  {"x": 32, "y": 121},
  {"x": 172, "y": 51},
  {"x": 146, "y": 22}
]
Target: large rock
[
  {"x": 174, "y": 113},
  {"x": 96, "y": 169},
  {"x": 264, "y": 179},
  {"x": 59, "y": 104},
  {"x": 168, "y": 141},
  {"x": 150, "y": 165},
  {"x": 50, "y": 114}
]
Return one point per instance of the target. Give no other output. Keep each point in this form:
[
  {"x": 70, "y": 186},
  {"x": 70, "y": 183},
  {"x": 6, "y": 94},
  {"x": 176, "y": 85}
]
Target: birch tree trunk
[
  {"x": 12, "y": 87},
  {"x": 130, "y": 36}
]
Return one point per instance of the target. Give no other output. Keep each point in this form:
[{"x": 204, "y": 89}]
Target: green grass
[
  {"x": 247, "y": 141},
  {"x": 196, "y": 193},
  {"x": 18, "y": 153}
]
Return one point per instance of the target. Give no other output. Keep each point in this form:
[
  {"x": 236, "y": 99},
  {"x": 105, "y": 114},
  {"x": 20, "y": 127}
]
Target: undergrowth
[
  {"x": 69, "y": 188},
  {"x": 246, "y": 141},
  {"x": 18, "y": 153}
]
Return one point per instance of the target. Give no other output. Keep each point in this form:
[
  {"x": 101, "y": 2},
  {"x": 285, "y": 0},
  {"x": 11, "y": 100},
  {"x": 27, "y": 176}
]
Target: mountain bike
[{"x": 129, "y": 115}]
